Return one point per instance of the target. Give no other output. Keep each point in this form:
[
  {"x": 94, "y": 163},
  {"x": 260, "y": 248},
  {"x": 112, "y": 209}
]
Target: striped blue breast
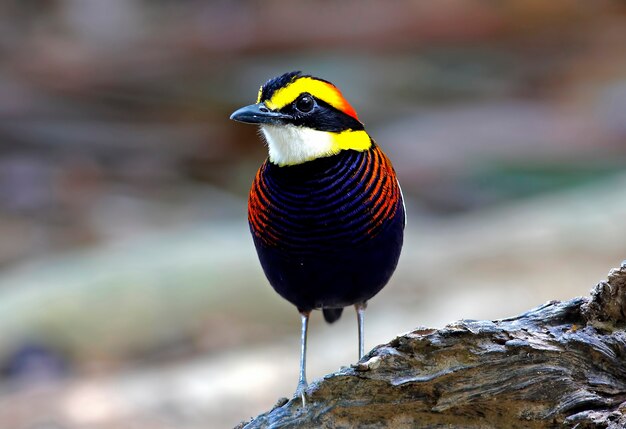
[{"x": 326, "y": 204}]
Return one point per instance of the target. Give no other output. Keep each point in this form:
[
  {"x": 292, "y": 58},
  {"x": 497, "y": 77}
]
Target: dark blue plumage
[
  {"x": 325, "y": 209},
  {"x": 328, "y": 232}
]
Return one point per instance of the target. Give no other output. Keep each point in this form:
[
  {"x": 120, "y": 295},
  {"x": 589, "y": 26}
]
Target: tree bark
[{"x": 562, "y": 364}]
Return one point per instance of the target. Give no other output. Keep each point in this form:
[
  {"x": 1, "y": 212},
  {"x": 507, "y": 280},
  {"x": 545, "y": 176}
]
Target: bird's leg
[
  {"x": 302, "y": 384},
  {"x": 360, "y": 315}
]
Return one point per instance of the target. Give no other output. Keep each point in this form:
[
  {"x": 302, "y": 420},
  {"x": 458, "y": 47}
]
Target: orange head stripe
[{"x": 319, "y": 89}]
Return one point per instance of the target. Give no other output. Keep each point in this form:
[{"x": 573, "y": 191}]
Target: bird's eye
[{"x": 305, "y": 103}]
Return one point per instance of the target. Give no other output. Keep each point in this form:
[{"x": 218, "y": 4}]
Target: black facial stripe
[{"x": 323, "y": 117}]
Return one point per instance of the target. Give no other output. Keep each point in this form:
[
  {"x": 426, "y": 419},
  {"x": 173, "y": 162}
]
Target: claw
[{"x": 301, "y": 392}]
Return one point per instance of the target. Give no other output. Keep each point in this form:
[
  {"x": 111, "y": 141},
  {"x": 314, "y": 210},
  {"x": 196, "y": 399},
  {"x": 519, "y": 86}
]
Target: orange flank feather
[
  {"x": 257, "y": 209},
  {"x": 385, "y": 201}
]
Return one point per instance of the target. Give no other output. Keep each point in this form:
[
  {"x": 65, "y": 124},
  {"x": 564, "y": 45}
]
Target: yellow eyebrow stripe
[{"x": 317, "y": 88}]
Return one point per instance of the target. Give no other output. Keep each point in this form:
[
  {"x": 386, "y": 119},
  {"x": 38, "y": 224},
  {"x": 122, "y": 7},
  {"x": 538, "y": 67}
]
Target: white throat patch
[{"x": 290, "y": 145}]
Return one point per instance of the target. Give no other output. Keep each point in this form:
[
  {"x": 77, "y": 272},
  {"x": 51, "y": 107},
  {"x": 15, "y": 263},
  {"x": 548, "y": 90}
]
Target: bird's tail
[{"x": 332, "y": 314}]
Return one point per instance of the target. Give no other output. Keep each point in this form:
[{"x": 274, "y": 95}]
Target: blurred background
[{"x": 130, "y": 292}]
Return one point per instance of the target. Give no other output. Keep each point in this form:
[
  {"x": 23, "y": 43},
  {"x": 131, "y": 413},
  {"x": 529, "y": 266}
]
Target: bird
[{"x": 325, "y": 209}]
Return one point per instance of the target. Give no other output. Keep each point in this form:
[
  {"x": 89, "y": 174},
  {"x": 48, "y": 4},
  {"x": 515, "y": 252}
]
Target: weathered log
[{"x": 562, "y": 364}]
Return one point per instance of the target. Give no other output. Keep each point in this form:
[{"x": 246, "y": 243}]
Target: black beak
[{"x": 258, "y": 114}]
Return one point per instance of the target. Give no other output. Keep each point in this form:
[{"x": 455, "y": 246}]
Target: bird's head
[{"x": 304, "y": 118}]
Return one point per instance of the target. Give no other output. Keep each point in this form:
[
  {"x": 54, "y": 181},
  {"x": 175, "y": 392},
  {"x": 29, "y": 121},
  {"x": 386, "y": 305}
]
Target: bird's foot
[{"x": 301, "y": 392}]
